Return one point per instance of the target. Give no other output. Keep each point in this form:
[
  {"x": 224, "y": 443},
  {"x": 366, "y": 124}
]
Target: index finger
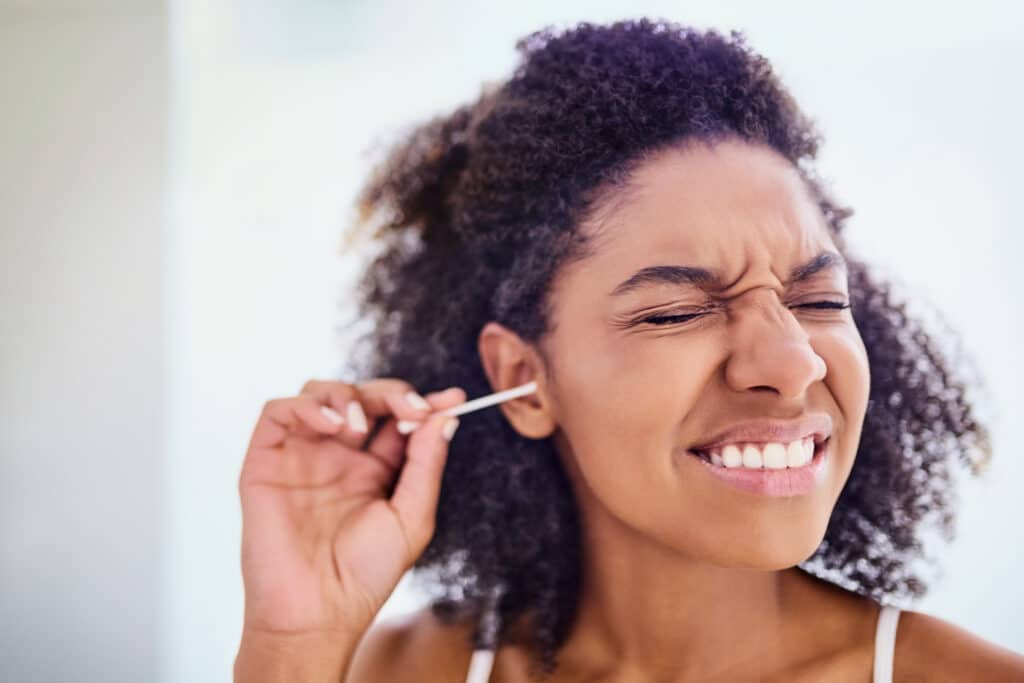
[
  {"x": 389, "y": 445},
  {"x": 362, "y": 404},
  {"x": 386, "y": 396}
]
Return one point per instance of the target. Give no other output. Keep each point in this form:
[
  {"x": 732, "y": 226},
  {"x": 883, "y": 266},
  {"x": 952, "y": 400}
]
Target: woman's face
[{"x": 633, "y": 395}]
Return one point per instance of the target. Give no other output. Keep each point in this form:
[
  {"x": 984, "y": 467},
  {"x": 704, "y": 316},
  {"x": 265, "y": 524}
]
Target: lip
[
  {"x": 778, "y": 483},
  {"x": 818, "y": 426}
]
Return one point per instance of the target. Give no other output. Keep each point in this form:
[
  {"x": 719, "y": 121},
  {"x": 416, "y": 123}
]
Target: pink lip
[
  {"x": 795, "y": 481},
  {"x": 818, "y": 425}
]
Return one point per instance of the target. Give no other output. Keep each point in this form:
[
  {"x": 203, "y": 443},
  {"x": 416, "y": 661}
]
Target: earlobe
[{"x": 508, "y": 362}]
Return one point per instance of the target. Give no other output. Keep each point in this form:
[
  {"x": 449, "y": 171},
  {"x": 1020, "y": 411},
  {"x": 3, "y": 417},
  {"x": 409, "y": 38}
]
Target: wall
[{"x": 83, "y": 133}]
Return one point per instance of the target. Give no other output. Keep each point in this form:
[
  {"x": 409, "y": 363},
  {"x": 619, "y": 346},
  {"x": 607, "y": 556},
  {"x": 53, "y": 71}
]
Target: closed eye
[
  {"x": 671, "y": 319},
  {"x": 837, "y": 305},
  {"x": 683, "y": 318}
]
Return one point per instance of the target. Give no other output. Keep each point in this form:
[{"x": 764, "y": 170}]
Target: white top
[{"x": 885, "y": 647}]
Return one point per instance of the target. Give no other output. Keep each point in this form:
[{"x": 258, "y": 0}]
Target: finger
[
  {"x": 363, "y": 405},
  {"x": 449, "y": 398},
  {"x": 282, "y": 417},
  {"x": 386, "y": 396},
  {"x": 394, "y": 400},
  {"x": 389, "y": 445},
  {"x": 419, "y": 483},
  {"x": 343, "y": 399}
]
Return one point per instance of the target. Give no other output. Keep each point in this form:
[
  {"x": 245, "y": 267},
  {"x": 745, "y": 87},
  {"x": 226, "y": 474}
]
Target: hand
[{"x": 332, "y": 517}]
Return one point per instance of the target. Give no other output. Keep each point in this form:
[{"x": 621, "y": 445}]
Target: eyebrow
[{"x": 711, "y": 279}]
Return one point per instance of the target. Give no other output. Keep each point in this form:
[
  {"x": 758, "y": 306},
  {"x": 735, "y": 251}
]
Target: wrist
[{"x": 266, "y": 657}]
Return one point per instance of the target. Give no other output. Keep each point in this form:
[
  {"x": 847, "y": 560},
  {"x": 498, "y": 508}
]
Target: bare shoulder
[
  {"x": 415, "y": 647},
  {"x": 928, "y": 648}
]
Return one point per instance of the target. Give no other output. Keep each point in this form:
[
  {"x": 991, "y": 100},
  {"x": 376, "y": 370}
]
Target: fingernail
[
  {"x": 356, "y": 417},
  {"x": 448, "y": 430},
  {"x": 332, "y": 415},
  {"x": 407, "y": 426},
  {"x": 417, "y": 401}
]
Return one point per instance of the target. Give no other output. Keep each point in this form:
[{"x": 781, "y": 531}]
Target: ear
[{"x": 509, "y": 362}]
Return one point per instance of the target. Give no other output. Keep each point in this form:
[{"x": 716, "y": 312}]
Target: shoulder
[
  {"x": 927, "y": 647},
  {"x": 414, "y": 647}
]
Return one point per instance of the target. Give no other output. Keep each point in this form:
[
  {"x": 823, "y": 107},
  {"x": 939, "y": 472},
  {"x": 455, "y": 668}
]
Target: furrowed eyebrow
[
  {"x": 710, "y": 279},
  {"x": 826, "y": 260}
]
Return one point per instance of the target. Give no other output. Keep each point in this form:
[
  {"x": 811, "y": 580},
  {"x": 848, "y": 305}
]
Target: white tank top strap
[
  {"x": 885, "y": 643},
  {"x": 487, "y": 637},
  {"x": 480, "y": 666}
]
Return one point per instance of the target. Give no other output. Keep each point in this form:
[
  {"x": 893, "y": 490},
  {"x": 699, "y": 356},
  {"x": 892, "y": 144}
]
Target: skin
[{"x": 686, "y": 578}]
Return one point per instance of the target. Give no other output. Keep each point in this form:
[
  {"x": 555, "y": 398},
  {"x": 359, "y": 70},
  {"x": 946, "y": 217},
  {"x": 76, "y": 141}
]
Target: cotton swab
[{"x": 408, "y": 426}]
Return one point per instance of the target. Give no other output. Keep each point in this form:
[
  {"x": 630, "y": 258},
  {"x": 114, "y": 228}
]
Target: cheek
[
  {"x": 849, "y": 375},
  {"x": 622, "y": 405},
  {"x": 630, "y": 387}
]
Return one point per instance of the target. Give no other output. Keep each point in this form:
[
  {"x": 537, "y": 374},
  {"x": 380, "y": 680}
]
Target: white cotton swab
[{"x": 408, "y": 426}]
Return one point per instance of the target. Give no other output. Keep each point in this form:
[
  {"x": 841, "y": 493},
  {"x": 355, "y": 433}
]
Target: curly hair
[{"x": 475, "y": 211}]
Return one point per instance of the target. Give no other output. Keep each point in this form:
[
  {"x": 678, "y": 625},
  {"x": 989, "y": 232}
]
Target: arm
[{"x": 271, "y": 658}]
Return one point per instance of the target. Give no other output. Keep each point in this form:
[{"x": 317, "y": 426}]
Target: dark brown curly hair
[{"x": 475, "y": 211}]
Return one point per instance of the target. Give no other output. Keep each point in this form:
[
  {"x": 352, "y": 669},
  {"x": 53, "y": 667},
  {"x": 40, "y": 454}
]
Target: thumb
[{"x": 419, "y": 483}]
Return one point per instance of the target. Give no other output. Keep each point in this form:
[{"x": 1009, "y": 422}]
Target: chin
[
  {"x": 775, "y": 552},
  {"x": 748, "y": 546},
  {"x": 770, "y": 550}
]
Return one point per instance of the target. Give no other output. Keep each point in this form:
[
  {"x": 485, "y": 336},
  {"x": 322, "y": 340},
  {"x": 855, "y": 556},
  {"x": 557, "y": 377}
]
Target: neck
[{"x": 647, "y": 611}]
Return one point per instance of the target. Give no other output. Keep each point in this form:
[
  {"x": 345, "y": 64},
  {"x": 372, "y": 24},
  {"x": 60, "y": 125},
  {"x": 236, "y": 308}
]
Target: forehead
[{"x": 721, "y": 206}]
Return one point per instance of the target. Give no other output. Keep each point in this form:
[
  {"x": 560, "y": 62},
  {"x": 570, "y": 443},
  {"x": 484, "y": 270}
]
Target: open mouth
[{"x": 716, "y": 461}]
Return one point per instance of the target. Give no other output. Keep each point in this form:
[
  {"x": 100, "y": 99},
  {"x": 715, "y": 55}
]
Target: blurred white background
[{"x": 174, "y": 180}]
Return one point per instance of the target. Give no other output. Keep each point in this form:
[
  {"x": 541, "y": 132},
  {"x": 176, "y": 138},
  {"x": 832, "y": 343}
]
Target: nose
[{"x": 771, "y": 350}]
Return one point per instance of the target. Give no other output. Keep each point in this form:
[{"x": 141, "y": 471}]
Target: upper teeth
[{"x": 772, "y": 455}]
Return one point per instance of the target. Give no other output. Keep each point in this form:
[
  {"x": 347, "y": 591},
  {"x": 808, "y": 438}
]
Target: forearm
[{"x": 269, "y": 658}]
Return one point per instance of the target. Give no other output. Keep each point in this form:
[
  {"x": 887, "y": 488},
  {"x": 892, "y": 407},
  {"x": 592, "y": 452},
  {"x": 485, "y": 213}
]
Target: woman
[{"x": 737, "y": 433}]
